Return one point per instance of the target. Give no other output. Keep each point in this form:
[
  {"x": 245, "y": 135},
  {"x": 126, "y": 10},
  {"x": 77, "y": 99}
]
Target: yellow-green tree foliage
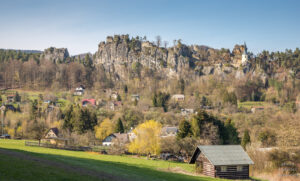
[
  {"x": 105, "y": 128},
  {"x": 147, "y": 138}
]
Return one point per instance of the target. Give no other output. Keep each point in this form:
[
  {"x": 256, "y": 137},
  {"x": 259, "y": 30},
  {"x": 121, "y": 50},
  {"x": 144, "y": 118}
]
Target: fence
[{"x": 101, "y": 149}]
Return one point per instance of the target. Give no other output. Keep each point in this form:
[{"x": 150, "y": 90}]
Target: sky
[{"x": 80, "y": 25}]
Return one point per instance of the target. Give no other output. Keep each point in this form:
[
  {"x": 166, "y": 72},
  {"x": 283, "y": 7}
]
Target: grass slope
[
  {"x": 124, "y": 167},
  {"x": 13, "y": 169}
]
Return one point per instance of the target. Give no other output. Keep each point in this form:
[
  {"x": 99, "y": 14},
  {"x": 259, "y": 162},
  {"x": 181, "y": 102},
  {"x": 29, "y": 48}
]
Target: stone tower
[{"x": 245, "y": 55}]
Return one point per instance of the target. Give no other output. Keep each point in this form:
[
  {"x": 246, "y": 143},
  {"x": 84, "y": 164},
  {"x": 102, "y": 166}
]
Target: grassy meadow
[{"x": 119, "y": 167}]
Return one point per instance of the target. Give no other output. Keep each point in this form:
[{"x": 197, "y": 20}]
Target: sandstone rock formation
[
  {"x": 121, "y": 55},
  {"x": 117, "y": 54},
  {"x": 55, "y": 54}
]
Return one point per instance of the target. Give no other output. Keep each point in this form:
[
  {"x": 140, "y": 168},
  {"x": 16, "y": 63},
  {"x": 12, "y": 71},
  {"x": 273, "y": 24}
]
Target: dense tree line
[
  {"x": 7, "y": 55},
  {"x": 206, "y": 127},
  {"x": 46, "y": 74},
  {"x": 270, "y": 61},
  {"x": 80, "y": 120}
]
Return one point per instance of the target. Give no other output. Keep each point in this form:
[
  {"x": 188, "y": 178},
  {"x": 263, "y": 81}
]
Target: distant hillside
[{"x": 24, "y": 51}]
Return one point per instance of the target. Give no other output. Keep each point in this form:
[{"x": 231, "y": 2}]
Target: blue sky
[{"x": 80, "y": 25}]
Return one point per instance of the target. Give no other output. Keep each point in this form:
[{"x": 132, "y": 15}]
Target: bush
[
  {"x": 117, "y": 148},
  {"x": 285, "y": 160},
  {"x": 267, "y": 138}
]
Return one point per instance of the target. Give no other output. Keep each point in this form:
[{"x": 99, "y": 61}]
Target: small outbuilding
[
  {"x": 121, "y": 137},
  {"x": 53, "y": 137},
  {"x": 222, "y": 161}
]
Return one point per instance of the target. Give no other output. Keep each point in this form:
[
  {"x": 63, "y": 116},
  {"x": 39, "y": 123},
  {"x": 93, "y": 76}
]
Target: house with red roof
[{"x": 86, "y": 102}]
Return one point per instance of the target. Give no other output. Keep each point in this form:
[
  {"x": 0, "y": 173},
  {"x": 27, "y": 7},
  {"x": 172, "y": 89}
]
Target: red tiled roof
[{"x": 91, "y": 101}]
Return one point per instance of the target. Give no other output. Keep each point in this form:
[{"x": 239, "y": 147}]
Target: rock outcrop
[
  {"x": 55, "y": 54},
  {"x": 118, "y": 53}
]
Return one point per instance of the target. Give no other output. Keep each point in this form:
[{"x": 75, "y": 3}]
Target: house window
[
  {"x": 239, "y": 168},
  {"x": 223, "y": 168}
]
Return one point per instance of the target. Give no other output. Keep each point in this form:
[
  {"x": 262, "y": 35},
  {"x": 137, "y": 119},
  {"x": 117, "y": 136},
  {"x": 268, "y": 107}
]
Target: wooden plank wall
[
  {"x": 208, "y": 168},
  {"x": 232, "y": 172}
]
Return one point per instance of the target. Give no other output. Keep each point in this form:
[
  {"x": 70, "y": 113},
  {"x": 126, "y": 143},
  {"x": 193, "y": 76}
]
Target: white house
[
  {"x": 114, "y": 95},
  {"x": 178, "y": 97},
  {"x": 79, "y": 91},
  {"x": 185, "y": 112},
  {"x": 135, "y": 97},
  {"x": 122, "y": 137}
]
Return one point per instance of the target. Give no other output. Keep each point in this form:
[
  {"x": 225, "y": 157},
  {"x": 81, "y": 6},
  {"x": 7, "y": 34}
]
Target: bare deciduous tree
[
  {"x": 158, "y": 40},
  {"x": 166, "y": 44}
]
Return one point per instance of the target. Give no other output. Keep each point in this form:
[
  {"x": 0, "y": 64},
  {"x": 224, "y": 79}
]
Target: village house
[
  {"x": 185, "y": 112},
  {"x": 47, "y": 101},
  {"x": 53, "y": 137},
  {"x": 257, "y": 109},
  {"x": 178, "y": 97},
  {"x": 79, "y": 91},
  {"x": 114, "y": 95},
  {"x": 222, "y": 161},
  {"x": 135, "y": 97},
  {"x": 168, "y": 131},
  {"x": 5, "y": 136},
  {"x": 121, "y": 137},
  {"x": 86, "y": 102},
  {"x": 10, "y": 98}
]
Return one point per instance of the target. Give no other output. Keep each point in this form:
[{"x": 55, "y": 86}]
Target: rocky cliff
[
  {"x": 119, "y": 53},
  {"x": 55, "y": 54}
]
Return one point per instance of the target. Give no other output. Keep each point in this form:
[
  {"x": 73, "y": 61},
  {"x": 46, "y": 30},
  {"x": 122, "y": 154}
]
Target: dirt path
[{"x": 70, "y": 168}]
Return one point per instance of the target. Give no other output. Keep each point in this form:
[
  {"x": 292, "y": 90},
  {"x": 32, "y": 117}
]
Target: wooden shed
[
  {"x": 223, "y": 161},
  {"x": 53, "y": 137}
]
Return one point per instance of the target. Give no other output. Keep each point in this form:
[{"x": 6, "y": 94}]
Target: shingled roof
[{"x": 223, "y": 155}]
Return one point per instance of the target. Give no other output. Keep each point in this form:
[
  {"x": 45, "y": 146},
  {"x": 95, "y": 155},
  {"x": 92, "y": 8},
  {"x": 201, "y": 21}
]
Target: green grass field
[{"x": 36, "y": 163}]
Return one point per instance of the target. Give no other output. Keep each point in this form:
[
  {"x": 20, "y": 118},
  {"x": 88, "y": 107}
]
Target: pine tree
[
  {"x": 17, "y": 97},
  {"x": 119, "y": 98},
  {"x": 125, "y": 89},
  {"x": 34, "y": 110},
  {"x": 154, "y": 100},
  {"x": 181, "y": 85},
  {"x": 68, "y": 118},
  {"x": 88, "y": 61},
  {"x": 135, "y": 103},
  {"x": 119, "y": 126},
  {"x": 246, "y": 139},
  {"x": 184, "y": 129},
  {"x": 232, "y": 134}
]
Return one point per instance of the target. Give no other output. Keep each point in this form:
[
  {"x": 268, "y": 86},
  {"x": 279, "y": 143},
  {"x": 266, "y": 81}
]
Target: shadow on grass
[{"x": 102, "y": 169}]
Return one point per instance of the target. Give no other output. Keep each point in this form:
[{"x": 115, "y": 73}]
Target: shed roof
[
  {"x": 123, "y": 137},
  {"x": 55, "y": 130},
  {"x": 169, "y": 130},
  {"x": 223, "y": 154}
]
